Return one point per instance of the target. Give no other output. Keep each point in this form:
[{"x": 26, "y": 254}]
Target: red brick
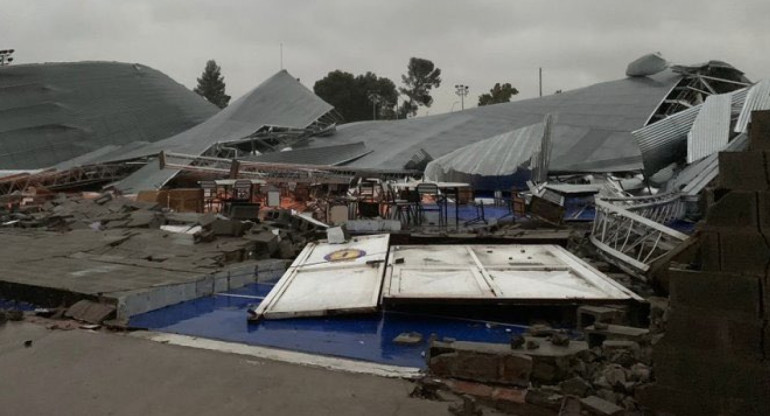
[{"x": 743, "y": 171}]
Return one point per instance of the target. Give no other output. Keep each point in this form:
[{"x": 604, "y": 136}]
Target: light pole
[
  {"x": 461, "y": 90},
  {"x": 375, "y": 98},
  {"x": 5, "y": 57}
]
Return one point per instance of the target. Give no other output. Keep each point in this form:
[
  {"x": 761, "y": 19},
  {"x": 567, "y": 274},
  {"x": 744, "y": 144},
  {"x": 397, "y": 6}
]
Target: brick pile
[{"x": 715, "y": 356}]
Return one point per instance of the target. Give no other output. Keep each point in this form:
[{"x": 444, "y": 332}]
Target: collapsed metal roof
[
  {"x": 596, "y": 120},
  {"x": 499, "y": 162},
  {"x": 280, "y": 101},
  {"x": 53, "y": 112}
]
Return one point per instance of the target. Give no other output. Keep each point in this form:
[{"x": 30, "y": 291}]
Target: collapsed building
[
  {"x": 58, "y": 112},
  {"x": 639, "y": 155}
]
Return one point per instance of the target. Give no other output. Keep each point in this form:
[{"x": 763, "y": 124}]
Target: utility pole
[
  {"x": 281, "y": 56},
  {"x": 461, "y": 90},
  {"x": 540, "y": 72},
  {"x": 5, "y": 56}
]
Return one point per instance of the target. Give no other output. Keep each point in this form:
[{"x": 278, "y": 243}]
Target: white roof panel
[{"x": 329, "y": 279}]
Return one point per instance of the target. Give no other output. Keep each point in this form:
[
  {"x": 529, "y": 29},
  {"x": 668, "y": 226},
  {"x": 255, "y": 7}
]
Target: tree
[
  {"x": 211, "y": 85},
  {"x": 420, "y": 78},
  {"x": 361, "y": 97},
  {"x": 498, "y": 94}
]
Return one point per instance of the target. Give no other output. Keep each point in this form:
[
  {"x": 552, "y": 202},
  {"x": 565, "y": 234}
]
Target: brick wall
[{"x": 715, "y": 356}]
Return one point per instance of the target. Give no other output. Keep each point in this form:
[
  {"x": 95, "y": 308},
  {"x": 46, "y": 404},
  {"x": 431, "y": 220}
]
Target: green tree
[
  {"x": 421, "y": 76},
  {"x": 498, "y": 94},
  {"x": 211, "y": 85},
  {"x": 361, "y": 97}
]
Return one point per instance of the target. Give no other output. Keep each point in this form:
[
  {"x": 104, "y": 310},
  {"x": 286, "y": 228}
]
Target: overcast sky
[{"x": 477, "y": 43}]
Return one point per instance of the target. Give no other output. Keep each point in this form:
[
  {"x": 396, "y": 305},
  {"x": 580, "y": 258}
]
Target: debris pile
[
  {"x": 113, "y": 249},
  {"x": 547, "y": 368}
]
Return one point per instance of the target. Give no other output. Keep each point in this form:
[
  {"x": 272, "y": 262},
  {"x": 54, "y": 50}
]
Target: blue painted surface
[
  {"x": 683, "y": 226},
  {"x": 365, "y": 337},
  {"x": 14, "y": 304}
]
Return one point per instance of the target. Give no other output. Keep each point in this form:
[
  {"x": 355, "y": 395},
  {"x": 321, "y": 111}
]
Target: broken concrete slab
[
  {"x": 599, "y": 406},
  {"x": 576, "y": 386},
  {"x": 494, "y": 363},
  {"x": 598, "y": 334},
  {"x": 90, "y": 311}
]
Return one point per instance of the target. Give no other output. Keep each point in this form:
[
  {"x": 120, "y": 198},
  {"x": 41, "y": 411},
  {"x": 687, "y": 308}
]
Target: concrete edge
[{"x": 292, "y": 357}]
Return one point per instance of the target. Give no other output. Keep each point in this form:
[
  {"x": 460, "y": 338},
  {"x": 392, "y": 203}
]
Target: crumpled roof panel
[
  {"x": 53, "y": 112},
  {"x": 600, "y": 118},
  {"x": 280, "y": 101}
]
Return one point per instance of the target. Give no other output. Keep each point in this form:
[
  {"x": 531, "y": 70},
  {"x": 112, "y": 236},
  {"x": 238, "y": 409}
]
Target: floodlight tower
[
  {"x": 462, "y": 91},
  {"x": 5, "y": 56}
]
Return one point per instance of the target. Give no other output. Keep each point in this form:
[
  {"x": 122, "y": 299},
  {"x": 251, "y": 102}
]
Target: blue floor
[
  {"x": 367, "y": 338},
  {"x": 14, "y": 304}
]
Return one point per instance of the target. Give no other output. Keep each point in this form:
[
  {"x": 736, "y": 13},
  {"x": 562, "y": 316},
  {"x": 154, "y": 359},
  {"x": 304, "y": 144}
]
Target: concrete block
[
  {"x": 709, "y": 331},
  {"x": 482, "y": 363},
  {"x": 709, "y": 252},
  {"x": 743, "y": 252},
  {"x": 679, "y": 401},
  {"x": 337, "y": 235},
  {"x": 600, "y": 406},
  {"x": 735, "y": 209},
  {"x": 763, "y": 208},
  {"x": 711, "y": 373},
  {"x": 759, "y": 131},
  {"x": 743, "y": 171},
  {"x": 723, "y": 292}
]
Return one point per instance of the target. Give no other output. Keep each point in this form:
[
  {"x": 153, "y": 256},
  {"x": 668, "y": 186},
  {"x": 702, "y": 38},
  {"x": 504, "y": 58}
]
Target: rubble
[
  {"x": 15, "y": 314},
  {"x": 601, "y": 407},
  {"x": 117, "y": 248},
  {"x": 408, "y": 338}
]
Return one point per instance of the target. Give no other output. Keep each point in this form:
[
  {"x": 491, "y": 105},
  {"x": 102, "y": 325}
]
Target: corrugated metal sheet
[
  {"x": 279, "y": 101},
  {"x": 711, "y": 129},
  {"x": 329, "y": 155},
  {"x": 493, "y": 159},
  {"x": 758, "y": 99},
  {"x": 665, "y": 142},
  {"x": 601, "y": 117},
  {"x": 694, "y": 178},
  {"x": 542, "y": 157},
  {"x": 54, "y": 112}
]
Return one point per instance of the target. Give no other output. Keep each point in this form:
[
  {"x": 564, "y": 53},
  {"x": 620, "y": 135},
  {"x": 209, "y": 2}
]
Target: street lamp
[
  {"x": 5, "y": 57},
  {"x": 461, "y": 90},
  {"x": 375, "y": 98}
]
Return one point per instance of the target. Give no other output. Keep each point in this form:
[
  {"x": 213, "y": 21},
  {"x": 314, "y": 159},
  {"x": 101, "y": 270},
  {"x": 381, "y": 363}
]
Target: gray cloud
[{"x": 478, "y": 43}]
